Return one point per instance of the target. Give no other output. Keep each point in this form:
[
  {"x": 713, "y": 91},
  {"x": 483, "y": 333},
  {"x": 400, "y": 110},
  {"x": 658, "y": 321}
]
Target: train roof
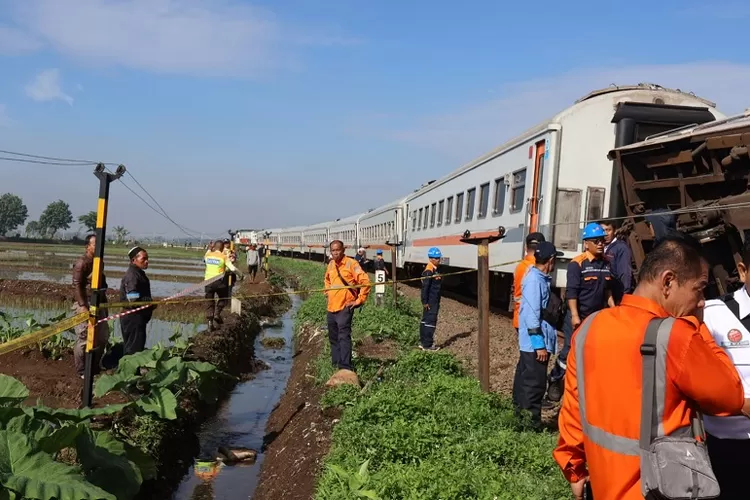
[
  {"x": 347, "y": 220},
  {"x": 550, "y": 123},
  {"x": 688, "y": 132},
  {"x": 382, "y": 208}
]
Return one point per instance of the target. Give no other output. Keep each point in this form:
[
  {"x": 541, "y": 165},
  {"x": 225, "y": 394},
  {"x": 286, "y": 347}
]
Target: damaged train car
[{"x": 694, "y": 179}]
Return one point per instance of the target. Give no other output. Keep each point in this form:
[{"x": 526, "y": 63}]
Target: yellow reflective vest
[{"x": 216, "y": 264}]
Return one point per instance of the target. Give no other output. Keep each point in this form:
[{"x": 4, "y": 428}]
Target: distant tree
[
  {"x": 33, "y": 229},
  {"x": 13, "y": 212},
  {"x": 56, "y": 216},
  {"x": 120, "y": 234},
  {"x": 88, "y": 221}
]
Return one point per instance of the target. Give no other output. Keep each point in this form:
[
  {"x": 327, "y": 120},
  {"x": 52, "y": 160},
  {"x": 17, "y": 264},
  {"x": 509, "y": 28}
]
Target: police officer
[
  {"x": 588, "y": 290},
  {"x": 135, "y": 287},
  {"x": 431, "y": 284},
  {"x": 217, "y": 264}
]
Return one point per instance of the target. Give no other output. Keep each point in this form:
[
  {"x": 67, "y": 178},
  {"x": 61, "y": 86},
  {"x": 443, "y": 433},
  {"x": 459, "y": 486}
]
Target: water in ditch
[{"x": 241, "y": 422}]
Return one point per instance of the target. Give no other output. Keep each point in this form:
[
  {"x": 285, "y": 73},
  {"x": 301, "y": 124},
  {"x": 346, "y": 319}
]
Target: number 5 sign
[{"x": 380, "y": 280}]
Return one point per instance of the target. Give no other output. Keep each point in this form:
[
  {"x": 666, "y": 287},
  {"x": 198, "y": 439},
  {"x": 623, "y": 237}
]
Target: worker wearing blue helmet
[
  {"x": 431, "y": 284},
  {"x": 588, "y": 289}
]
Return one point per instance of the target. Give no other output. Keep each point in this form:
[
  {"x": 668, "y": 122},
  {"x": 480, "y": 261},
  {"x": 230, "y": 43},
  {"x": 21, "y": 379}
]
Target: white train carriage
[
  {"x": 553, "y": 178},
  {"x": 290, "y": 240},
  {"x": 315, "y": 238},
  {"x": 272, "y": 238},
  {"x": 381, "y": 226},
  {"x": 346, "y": 230}
]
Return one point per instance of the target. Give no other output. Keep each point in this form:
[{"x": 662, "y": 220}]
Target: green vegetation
[
  {"x": 423, "y": 429},
  {"x": 112, "y": 250},
  {"x": 53, "y": 348},
  {"x": 35, "y": 440}
]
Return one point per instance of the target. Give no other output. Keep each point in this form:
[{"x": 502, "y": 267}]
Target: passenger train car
[{"x": 553, "y": 178}]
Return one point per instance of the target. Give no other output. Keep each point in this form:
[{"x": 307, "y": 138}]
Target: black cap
[
  {"x": 545, "y": 251},
  {"x": 534, "y": 238}
]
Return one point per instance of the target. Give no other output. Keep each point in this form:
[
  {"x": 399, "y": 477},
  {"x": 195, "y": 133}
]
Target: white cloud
[
  {"x": 46, "y": 87},
  {"x": 479, "y": 127},
  {"x": 196, "y": 37},
  {"x": 15, "y": 41}
]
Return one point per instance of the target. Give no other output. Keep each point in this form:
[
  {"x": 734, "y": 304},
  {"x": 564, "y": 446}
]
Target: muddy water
[{"x": 241, "y": 422}]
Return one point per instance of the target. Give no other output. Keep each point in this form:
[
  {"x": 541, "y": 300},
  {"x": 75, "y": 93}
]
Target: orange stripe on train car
[{"x": 454, "y": 239}]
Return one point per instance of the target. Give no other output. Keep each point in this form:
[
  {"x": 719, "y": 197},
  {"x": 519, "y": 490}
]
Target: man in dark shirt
[
  {"x": 135, "y": 287},
  {"x": 620, "y": 258},
  {"x": 379, "y": 265},
  {"x": 588, "y": 290},
  {"x": 431, "y": 285},
  {"x": 82, "y": 270}
]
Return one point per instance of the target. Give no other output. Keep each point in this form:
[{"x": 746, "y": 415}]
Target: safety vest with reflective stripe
[
  {"x": 215, "y": 264},
  {"x": 601, "y": 437}
]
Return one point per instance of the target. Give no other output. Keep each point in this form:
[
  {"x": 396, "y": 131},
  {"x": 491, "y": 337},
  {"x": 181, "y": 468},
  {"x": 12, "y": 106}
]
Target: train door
[{"x": 535, "y": 201}]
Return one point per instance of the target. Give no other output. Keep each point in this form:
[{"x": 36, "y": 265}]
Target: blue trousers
[
  {"x": 428, "y": 325},
  {"x": 340, "y": 337}
]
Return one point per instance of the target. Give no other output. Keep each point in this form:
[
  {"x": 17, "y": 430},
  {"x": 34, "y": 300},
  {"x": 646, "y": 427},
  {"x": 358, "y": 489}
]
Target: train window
[
  {"x": 518, "y": 191},
  {"x": 594, "y": 203},
  {"x": 484, "y": 200},
  {"x": 459, "y": 206},
  {"x": 566, "y": 233},
  {"x": 448, "y": 210},
  {"x": 441, "y": 205},
  {"x": 499, "y": 201},
  {"x": 419, "y": 225},
  {"x": 426, "y": 217},
  {"x": 414, "y": 220},
  {"x": 432, "y": 214},
  {"x": 471, "y": 195}
]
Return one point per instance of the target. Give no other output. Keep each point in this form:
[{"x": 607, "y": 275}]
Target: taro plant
[{"x": 33, "y": 438}]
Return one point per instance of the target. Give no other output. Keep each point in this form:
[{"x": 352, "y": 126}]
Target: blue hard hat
[
  {"x": 379, "y": 252},
  {"x": 593, "y": 230},
  {"x": 434, "y": 253}
]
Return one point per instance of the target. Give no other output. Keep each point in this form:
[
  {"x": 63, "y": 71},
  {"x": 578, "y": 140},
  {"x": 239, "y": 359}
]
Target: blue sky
[{"x": 235, "y": 113}]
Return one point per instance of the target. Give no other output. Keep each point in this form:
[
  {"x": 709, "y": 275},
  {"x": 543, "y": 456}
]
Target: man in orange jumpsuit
[
  {"x": 599, "y": 433},
  {"x": 343, "y": 271}
]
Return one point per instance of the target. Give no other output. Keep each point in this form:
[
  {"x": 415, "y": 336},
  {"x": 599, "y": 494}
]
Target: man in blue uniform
[
  {"x": 431, "y": 284},
  {"x": 588, "y": 290},
  {"x": 620, "y": 258}
]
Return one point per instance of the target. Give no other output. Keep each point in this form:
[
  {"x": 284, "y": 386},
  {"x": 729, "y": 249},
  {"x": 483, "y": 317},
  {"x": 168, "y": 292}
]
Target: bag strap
[
  {"x": 651, "y": 420},
  {"x": 346, "y": 283},
  {"x": 648, "y": 389},
  {"x": 734, "y": 306}
]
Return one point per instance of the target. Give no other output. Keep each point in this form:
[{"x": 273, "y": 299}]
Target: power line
[
  {"x": 55, "y": 158},
  {"x": 42, "y": 162}
]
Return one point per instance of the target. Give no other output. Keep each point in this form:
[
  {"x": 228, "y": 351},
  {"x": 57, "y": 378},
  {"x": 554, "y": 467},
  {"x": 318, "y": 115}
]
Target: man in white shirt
[{"x": 728, "y": 438}]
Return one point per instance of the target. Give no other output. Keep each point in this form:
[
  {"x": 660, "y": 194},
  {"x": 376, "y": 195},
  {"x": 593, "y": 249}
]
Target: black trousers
[
  {"x": 133, "y": 328},
  {"x": 252, "y": 271},
  {"x": 221, "y": 290},
  {"x": 730, "y": 460},
  {"x": 530, "y": 384},
  {"x": 340, "y": 337},
  {"x": 428, "y": 325}
]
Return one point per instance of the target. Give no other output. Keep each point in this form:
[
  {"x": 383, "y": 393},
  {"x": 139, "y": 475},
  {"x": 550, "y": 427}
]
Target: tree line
[{"x": 57, "y": 216}]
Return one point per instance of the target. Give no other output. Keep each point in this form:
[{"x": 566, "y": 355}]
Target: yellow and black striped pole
[{"x": 98, "y": 292}]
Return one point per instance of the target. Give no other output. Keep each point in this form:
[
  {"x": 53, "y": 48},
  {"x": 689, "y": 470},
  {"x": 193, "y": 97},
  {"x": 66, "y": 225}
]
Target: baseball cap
[
  {"x": 545, "y": 251},
  {"x": 534, "y": 238}
]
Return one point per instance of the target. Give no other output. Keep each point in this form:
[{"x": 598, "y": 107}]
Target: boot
[{"x": 211, "y": 326}]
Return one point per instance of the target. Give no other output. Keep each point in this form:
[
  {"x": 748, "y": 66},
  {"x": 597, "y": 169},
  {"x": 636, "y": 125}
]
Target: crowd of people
[{"x": 652, "y": 376}]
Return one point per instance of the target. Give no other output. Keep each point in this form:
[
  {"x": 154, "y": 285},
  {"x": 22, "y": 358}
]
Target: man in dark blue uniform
[
  {"x": 620, "y": 258},
  {"x": 588, "y": 290},
  {"x": 431, "y": 284}
]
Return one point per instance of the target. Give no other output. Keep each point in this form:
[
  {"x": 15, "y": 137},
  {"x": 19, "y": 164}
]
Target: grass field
[{"x": 109, "y": 249}]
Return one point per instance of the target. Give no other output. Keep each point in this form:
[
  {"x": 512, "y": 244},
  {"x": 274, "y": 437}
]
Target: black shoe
[
  {"x": 218, "y": 320},
  {"x": 548, "y": 405},
  {"x": 555, "y": 390}
]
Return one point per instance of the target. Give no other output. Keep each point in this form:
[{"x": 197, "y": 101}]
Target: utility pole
[
  {"x": 394, "y": 247},
  {"x": 98, "y": 293},
  {"x": 482, "y": 241}
]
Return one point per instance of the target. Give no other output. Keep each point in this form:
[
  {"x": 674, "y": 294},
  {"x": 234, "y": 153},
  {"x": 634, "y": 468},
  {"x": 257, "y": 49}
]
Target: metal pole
[
  {"x": 482, "y": 241},
  {"x": 393, "y": 275},
  {"x": 98, "y": 293},
  {"x": 483, "y": 304}
]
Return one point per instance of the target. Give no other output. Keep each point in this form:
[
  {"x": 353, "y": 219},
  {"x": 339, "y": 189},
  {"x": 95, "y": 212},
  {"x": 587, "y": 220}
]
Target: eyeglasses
[{"x": 596, "y": 241}]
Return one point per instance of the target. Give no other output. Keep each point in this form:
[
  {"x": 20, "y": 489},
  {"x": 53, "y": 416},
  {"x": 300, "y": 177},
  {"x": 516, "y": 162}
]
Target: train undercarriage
[{"x": 699, "y": 177}]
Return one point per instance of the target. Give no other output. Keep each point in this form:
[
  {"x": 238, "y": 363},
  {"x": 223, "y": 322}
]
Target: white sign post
[{"x": 380, "y": 282}]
